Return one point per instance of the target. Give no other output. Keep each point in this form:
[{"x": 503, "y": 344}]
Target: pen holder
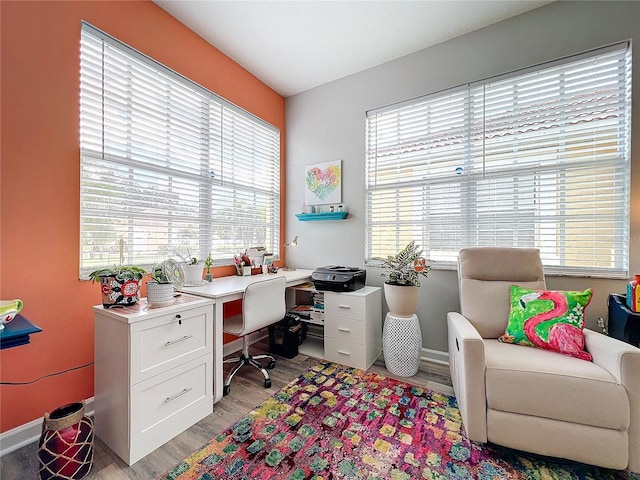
[{"x": 246, "y": 271}]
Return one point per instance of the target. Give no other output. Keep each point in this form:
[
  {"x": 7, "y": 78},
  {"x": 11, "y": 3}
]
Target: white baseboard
[
  {"x": 22, "y": 435},
  {"x": 435, "y": 356}
]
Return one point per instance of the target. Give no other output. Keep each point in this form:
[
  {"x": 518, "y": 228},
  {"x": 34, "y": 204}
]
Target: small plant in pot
[
  {"x": 119, "y": 284},
  {"x": 160, "y": 288},
  {"x": 192, "y": 269},
  {"x": 208, "y": 263},
  {"x": 403, "y": 279}
]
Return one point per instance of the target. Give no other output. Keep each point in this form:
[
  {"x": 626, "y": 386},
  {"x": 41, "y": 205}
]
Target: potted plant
[
  {"x": 192, "y": 269},
  {"x": 208, "y": 262},
  {"x": 160, "y": 288},
  {"x": 120, "y": 285},
  {"x": 403, "y": 279}
]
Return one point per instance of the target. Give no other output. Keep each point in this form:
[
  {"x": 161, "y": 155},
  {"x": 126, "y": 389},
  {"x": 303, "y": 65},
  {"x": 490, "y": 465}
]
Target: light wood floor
[{"x": 247, "y": 391}]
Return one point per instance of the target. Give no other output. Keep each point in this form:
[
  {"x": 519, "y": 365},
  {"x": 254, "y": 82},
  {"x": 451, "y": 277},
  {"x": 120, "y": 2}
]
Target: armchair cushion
[
  {"x": 545, "y": 384},
  {"x": 548, "y": 319}
]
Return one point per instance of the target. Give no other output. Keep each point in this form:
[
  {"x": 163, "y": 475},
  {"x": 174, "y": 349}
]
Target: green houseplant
[
  {"x": 208, "y": 263},
  {"x": 160, "y": 288},
  {"x": 404, "y": 270},
  {"x": 406, "y": 267},
  {"x": 119, "y": 284}
]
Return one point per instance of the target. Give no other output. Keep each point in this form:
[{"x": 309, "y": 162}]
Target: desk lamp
[{"x": 292, "y": 243}]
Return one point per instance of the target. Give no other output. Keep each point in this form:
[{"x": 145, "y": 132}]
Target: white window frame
[
  {"x": 167, "y": 166},
  {"x": 536, "y": 158}
]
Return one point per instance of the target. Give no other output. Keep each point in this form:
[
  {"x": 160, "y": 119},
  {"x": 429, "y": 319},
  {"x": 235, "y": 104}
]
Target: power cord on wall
[{"x": 48, "y": 375}]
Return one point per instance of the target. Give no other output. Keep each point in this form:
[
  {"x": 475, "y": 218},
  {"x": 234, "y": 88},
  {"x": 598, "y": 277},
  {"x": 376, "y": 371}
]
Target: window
[
  {"x": 539, "y": 158},
  {"x": 166, "y": 165}
]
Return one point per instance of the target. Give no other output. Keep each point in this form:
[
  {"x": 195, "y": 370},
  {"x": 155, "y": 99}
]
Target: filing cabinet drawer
[
  {"x": 349, "y": 305},
  {"x": 347, "y": 353},
  {"x": 166, "y": 405},
  {"x": 347, "y": 329},
  {"x": 166, "y": 341}
]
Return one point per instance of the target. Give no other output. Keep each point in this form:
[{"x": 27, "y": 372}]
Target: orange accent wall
[{"x": 40, "y": 177}]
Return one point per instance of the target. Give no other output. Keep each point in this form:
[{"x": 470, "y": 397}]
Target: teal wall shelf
[{"x": 315, "y": 217}]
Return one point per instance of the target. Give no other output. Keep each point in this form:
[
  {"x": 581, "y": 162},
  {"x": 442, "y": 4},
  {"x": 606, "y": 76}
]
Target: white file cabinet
[
  {"x": 353, "y": 327},
  {"x": 153, "y": 373}
]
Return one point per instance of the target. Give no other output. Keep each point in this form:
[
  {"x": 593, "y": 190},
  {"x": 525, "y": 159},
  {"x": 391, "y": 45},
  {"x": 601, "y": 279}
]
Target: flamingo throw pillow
[{"x": 548, "y": 319}]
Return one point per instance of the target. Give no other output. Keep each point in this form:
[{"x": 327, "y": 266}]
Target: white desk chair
[{"x": 263, "y": 304}]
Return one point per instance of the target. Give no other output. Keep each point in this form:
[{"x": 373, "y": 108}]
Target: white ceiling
[{"x": 294, "y": 46}]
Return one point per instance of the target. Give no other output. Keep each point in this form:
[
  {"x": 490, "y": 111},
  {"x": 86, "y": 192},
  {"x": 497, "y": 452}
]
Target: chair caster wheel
[
  {"x": 271, "y": 365},
  {"x": 267, "y": 383},
  {"x": 226, "y": 389}
]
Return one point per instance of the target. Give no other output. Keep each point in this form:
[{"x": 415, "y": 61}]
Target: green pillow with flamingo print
[{"x": 548, "y": 319}]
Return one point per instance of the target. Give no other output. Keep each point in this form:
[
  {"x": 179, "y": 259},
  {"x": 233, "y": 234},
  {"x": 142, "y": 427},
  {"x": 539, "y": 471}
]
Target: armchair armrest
[
  {"x": 467, "y": 366},
  {"x": 615, "y": 356},
  {"x": 623, "y": 362}
]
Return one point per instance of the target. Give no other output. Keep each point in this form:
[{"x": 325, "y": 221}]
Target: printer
[{"x": 336, "y": 278}]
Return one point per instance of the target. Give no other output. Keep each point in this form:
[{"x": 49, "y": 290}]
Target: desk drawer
[
  {"x": 345, "y": 305},
  {"x": 347, "y": 329},
  {"x": 166, "y": 405},
  {"x": 347, "y": 353},
  {"x": 164, "y": 342}
]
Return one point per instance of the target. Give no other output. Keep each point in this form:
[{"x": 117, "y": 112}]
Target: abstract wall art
[{"x": 323, "y": 183}]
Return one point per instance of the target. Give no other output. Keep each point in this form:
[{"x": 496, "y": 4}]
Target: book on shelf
[{"x": 309, "y": 313}]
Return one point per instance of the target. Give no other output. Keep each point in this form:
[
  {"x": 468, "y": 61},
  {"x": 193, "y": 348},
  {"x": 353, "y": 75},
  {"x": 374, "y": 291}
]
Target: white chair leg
[
  {"x": 260, "y": 357},
  {"x": 232, "y": 360},
  {"x": 263, "y": 370},
  {"x": 235, "y": 370}
]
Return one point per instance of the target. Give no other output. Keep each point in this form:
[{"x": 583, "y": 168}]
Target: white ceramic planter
[
  {"x": 159, "y": 294},
  {"x": 192, "y": 274},
  {"x": 402, "y": 300}
]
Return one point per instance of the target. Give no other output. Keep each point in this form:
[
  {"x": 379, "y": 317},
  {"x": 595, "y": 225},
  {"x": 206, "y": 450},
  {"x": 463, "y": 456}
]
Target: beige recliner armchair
[{"x": 532, "y": 399}]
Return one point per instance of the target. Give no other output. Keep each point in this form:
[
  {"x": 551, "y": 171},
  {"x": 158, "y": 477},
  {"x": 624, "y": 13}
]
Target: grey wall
[{"x": 328, "y": 123}]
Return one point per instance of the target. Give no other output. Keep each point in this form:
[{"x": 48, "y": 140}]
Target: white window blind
[
  {"x": 168, "y": 166},
  {"x": 537, "y": 158}
]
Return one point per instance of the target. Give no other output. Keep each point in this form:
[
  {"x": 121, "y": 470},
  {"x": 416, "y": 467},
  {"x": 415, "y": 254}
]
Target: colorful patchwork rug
[{"x": 335, "y": 422}]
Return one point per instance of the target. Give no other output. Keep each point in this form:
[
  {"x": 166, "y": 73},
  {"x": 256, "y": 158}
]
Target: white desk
[{"x": 227, "y": 289}]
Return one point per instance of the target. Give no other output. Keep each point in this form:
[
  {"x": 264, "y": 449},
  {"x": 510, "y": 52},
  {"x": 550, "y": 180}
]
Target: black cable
[{"x": 47, "y": 375}]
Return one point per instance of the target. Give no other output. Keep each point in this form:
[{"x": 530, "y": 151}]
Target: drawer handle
[
  {"x": 173, "y": 342},
  {"x": 342, "y": 352},
  {"x": 177, "y": 395},
  {"x": 344, "y": 306},
  {"x": 343, "y": 329}
]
